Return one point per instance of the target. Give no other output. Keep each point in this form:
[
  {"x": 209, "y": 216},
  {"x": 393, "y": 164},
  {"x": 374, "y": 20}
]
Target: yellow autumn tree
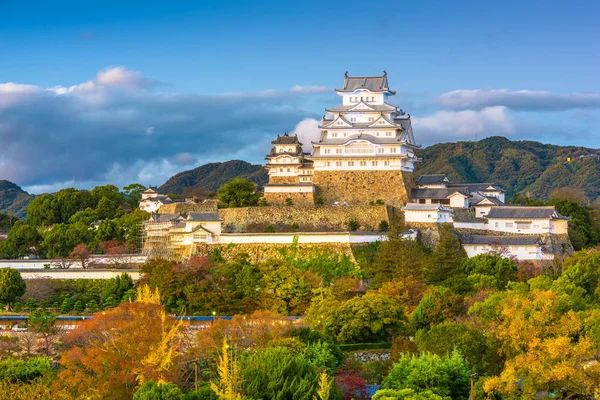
[
  {"x": 325, "y": 384},
  {"x": 229, "y": 384},
  {"x": 146, "y": 295}
]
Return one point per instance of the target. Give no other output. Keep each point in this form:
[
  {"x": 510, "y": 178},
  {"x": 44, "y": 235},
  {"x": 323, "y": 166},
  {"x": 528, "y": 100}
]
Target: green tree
[
  {"x": 447, "y": 375},
  {"x": 487, "y": 271},
  {"x": 108, "y": 209},
  {"x": 436, "y": 307},
  {"x": 12, "y": 286},
  {"x": 65, "y": 307},
  {"x": 238, "y": 192},
  {"x": 369, "y": 318},
  {"x": 133, "y": 194},
  {"x": 22, "y": 240},
  {"x": 111, "y": 192},
  {"x": 278, "y": 373},
  {"x": 44, "y": 324},
  {"x": 153, "y": 391},
  {"x": 396, "y": 259},
  {"x": 43, "y": 211},
  {"x": 30, "y": 304},
  {"x": 446, "y": 268}
]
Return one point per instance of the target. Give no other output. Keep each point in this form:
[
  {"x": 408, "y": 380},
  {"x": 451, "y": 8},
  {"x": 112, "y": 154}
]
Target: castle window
[
  {"x": 351, "y": 163},
  {"x": 288, "y": 170},
  {"x": 280, "y": 169},
  {"x": 380, "y": 150},
  {"x": 333, "y": 134},
  {"x": 352, "y": 119},
  {"x": 374, "y": 163},
  {"x": 388, "y": 134},
  {"x": 338, "y": 151},
  {"x": 344, "y": 134},
  {"x": 328, "y": 163},
  {"x": 392, "y": 150},
  {"x": 508, "y": 224},
  {"x": 326, "y": 151},
  {"x": 338, "y": 163},
  {"x": 363, "y": 163},
  {"x": 377, "y": 133},
  {"x": 361, "y": 99},
  {"x": 386, "y": 163}
]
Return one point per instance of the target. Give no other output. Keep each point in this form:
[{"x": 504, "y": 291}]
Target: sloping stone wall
[
  {"x": 361, "y": 187},
  {"x": 305, "y": 199},
  {"x": 277, "y": 180},
  {"x": 261, "y": 252},
  {"x": 306, "y": 218},
  {"x": 208, "y": 206}
]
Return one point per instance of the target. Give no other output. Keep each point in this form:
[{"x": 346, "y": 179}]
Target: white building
[
  {"x": 527, "y": 220},
  {"x": 365, "y": 132},
  {"x": 152, "y": 200},
  {"x": 428, "y": 213},
  {"x": 520, "y": 247},
  {"x": 437, "y": 189}
]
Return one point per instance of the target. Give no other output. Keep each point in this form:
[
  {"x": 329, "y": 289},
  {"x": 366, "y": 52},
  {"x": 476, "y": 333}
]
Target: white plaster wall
[
  {"x": 289, "y": 189},
  {"x": 482, "y": 211},
  {"x": 469, "y": 225},
  {"x": 78, "y": 274},
  {"x": 459, "y": 202},
  {"x": 538, "y": 226},
  {"x": 530, "y": 252},
  {"x": 426, "y": 216},
  {"x": 150, "y": 206}
]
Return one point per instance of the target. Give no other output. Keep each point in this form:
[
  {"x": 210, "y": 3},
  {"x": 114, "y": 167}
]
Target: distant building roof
[
  {"x": 436, "y": 193},
  {"x": 432, "y": 179},
  {"x": 151, "y": 189},
  {"x": 425, "y": 207},
  {"x": 479, "y": 198},
  {"x": 371, "y": 83},
  {"x": 524, "y": 213},
  {"x": 164, "y": 217},
  {"x": 287, "y": 139},
  {"x": 501, "y": 240}
]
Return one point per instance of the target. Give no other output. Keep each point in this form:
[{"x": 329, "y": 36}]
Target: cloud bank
[
  {"x": 114, "y": 128},
  {"x": 521, "y": 100}
]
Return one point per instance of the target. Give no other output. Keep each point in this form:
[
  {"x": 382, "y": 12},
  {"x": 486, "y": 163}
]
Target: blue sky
[{"x": 140, "y": 90}]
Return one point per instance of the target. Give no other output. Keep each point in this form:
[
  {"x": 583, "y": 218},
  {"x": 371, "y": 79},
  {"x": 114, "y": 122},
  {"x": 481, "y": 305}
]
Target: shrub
[
  {"x": 262, "y": 202},
  {"x": 353, "y": 225},
  {"x": 269, "y": 229},
  {"x": 294, "y": 227},
  {"x": 289, "y": 201},
  {"x": 319, "y": 201},
  {"x": 384, "y": 226},
  {"x": 17, "y": 370}
]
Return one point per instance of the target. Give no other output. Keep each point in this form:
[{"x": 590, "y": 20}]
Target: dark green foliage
[
  {"x": 445, "y": 376},
  {"x": 294, "y": 227},
  {"x": 397, "y": 259},
  {"x": 6, "y": 222},
  {"x": 319, "y": 200},
  {"x": 133, "y": 194},
  {"x": 369, "y": 318},
  {"x": 435, "y": 307},
  {"x": 238, "y": 192},
  {"x": 12, "y": 285},
  {"x": 210, "y": 177},
  {"x": 289, "y": 201},
  {"x": 366, "y": 346},
  {"x": 18, "y": 370},
  {"x": 487, "y": 271},
  {"x": 153, "y": 391},
  {"x": 384, "y": 226},
  {"x": 278, "y": 373},
  {"x": 472, "y": 344},
  {"x": 117, "y": 287},
  {"x": 22, "y": 240},
  {"x": 446, "y": 267},
  {"x": 269, "y": 229},
  {"x": 353, "y": 225},
  {"x": 582, "y": 231}
]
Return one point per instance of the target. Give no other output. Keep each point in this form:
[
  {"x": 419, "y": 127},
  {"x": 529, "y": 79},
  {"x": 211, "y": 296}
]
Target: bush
[
  {"x": 384, "y": 226},
  {"x": 319, "y": 201},
  {"x": 269, "y": 229},
  {"x": 153, "y": 391},
  {"x": 353, "y": 225},
  {"x": 294, "y": 227},
  {"x": 366, "y": 346},
  {"x": 289, "y": 201},
  {"x": 17, "y": 370}
]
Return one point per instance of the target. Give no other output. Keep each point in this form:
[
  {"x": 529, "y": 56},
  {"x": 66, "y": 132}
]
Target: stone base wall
[
  {"x": 306, "y": 218},
  {"x": 362, "y": 187},
  {"x": 306, "y": 199},
  {"x": 261, "y": 252},
  {"x": 208, "y": 206},
  {"x": 278, "y": 180}
]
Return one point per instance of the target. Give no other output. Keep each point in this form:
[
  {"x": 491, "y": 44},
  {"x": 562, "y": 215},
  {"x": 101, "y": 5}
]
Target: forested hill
[
  {"x": 209, "y": 177},
  {"x": 517, "y": 166},
  {"x": 13, "y": 199}
]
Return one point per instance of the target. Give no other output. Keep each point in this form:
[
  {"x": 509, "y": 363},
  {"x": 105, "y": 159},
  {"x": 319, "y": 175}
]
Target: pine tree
[{"x": 65, "y": 306}]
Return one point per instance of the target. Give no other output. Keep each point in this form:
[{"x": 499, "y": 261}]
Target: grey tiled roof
[
  {"x": 442, "y": 193},
  {"x": 372, "y": 83},
  {"x": 432, "y": 179},
  {"x": 164, "y": 217},
  {"x": 501, "y": 240},
  {"x": 286, "y": 139},
  {"x": 369, "y": 138},
  {"x": 203, "y": 216},
  {"x": 375, "y": 107},
  {"x": 478, "y": 198},
  {"x": 524, "y": 213},
  {"x": 425, "y": 207}
]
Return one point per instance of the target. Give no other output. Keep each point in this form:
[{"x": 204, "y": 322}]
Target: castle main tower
[{"x": 366, "y": 149}]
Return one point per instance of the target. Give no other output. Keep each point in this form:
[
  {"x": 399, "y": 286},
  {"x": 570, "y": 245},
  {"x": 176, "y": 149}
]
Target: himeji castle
[{"x": 365, "y": 152}]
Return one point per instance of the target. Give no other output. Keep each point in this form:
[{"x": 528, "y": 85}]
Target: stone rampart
[
  {"x": 302, "y": 218},
  {"x": 277, "y": 180},
  {"x": 362, "y": 187},
  {"x": 261, "y": 252},
  {"x": 174, "y": 208},
  {"x": 276, "y": 198}
]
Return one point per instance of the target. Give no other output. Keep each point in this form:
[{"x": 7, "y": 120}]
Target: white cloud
[
  {"x": 307, "y": 131},
  {"x": 105, "y": 130},
  {"x": 522, "y": 100},
  {"x": 458, "y": 125},
  {"x": 310, "y": 89}
]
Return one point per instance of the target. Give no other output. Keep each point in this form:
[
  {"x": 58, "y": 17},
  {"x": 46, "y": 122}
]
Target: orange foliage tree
[{"x": 108, "y": 355}]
